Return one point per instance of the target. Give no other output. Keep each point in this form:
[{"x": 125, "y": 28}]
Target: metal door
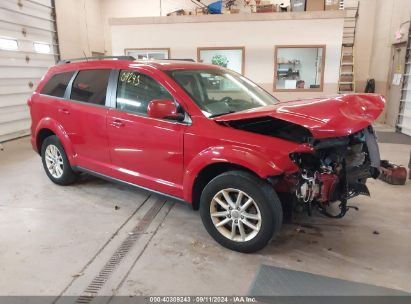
[
  {"x": 28, "y": 46},
  {"x": 404, "y": 117},
  {"x": 395, "y": 83}
]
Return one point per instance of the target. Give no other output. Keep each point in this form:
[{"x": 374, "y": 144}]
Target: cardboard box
[
  {"x": 266, "y": 8},
  {"x": 199, "y": 11},
  {"x": 331, "y": 5},
  {"x": 314, "y": 5}
]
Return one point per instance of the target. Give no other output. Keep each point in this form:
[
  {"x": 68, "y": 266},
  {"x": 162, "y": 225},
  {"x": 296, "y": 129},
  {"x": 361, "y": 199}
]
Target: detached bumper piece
[{"x": 393, "y": 174}]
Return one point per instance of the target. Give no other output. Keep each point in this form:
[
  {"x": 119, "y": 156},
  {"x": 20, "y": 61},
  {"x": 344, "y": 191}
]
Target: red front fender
[{"x": 252, "y": 160}]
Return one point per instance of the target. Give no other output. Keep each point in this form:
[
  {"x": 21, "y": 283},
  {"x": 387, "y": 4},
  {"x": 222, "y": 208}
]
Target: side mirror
[{"x": 164, "y": 109}]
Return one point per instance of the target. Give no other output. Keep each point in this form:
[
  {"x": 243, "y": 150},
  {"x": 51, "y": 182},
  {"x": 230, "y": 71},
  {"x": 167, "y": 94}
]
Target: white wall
[
  {"x": 258, "y": 38},
  {"x": 364, "y": 42},
  {"x": 140, "y": 8},
  {"x": 83, "y": 26},
  {"x": 80, "y": 27},
  {"x": 148, "y": 8},
  {"x": 378, "y": 21}
]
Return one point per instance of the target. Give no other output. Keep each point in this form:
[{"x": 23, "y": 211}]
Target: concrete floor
[{"x": 55, "y": 240}]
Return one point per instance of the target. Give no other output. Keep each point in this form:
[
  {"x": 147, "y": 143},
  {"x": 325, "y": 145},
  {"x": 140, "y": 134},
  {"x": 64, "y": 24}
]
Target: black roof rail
[{"x": 96, "y": 58}]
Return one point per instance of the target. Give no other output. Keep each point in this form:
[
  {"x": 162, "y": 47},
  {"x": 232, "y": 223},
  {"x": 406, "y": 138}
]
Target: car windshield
[{"x": 220, "y": 92}]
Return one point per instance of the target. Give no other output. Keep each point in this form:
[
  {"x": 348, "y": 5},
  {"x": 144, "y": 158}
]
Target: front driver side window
[{"x": 136, "y": 90}]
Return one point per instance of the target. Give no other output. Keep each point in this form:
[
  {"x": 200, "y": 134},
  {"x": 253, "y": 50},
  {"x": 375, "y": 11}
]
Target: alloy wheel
[
  {"x": 235, "y": 215},
  {"x": 54, "y": 161}
]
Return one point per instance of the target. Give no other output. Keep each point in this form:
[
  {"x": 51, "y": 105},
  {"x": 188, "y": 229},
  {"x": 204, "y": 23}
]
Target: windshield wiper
[{"x": 220, "y": 114}]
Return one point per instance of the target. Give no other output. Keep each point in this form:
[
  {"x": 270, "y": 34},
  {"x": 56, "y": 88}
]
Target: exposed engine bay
[
  {"x": 337, "y": 171},
  {"x": 273, "y": 127}
]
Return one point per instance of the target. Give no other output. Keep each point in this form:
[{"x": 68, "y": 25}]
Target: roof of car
[{"x": 126, "y": 63}]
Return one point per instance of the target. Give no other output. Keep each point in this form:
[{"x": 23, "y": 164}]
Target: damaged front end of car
[
  {"x": 332, "y": 170},
  {"x": 342, "y": 147},
  {"x": 336, "y": 171}
]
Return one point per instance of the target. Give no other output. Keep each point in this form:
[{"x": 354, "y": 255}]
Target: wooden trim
[
  {"x": 321, "y": 88},
  {"x": 149, "y": 49},
  {"x": 242, "y": 48}
]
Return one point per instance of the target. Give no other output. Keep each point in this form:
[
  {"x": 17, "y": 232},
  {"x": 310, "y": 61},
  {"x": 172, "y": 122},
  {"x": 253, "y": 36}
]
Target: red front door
[{"x": 145, "y": 151}]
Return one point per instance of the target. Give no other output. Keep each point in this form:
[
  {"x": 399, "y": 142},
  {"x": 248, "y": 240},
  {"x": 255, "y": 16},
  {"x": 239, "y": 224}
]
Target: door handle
[
  {"x": 117, "y": 123},
  {"x": 64, "y": 111}
]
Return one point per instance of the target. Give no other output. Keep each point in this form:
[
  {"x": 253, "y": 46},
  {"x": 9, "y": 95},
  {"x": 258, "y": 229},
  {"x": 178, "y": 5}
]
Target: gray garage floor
[{"x": 56, "y": 240}]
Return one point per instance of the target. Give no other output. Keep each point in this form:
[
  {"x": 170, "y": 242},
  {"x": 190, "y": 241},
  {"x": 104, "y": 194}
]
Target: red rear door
[{"x": 84, "y": 118}]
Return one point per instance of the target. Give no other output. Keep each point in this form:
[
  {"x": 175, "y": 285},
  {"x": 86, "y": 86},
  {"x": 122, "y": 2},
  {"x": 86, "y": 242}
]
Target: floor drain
[{"x": 98, "y": 282}]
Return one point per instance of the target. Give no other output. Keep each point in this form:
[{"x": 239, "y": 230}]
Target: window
[
  {"x": 219, "y": 92},
  {"x": 8, "y": 44},
  {"x": 43, "y": 48},
  {"x": 148, "y": 54},
  {"x": 136, "y": 90},
  {"x": 57, "y": 84},
  {"x": 91, "y": 86},
  {"x": 299, "y": 68},
  {"x": 227, "y": 57}
]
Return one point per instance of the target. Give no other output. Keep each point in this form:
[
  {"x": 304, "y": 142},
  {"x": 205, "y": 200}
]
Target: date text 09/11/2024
[{"x": 202, "y": 299}]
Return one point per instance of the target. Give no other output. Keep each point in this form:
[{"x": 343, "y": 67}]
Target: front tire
[
  {"x": 240, "y": 211},
  {"x": 56, "y": 163}
]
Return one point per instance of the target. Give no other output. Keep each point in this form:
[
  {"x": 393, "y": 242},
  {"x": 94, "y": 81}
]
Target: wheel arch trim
[{"x": 48, "y": 123}]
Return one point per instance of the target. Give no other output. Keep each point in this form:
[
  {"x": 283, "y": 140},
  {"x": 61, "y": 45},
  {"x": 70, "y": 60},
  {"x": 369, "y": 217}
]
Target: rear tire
[
  {"x": 240, "y": 211},
  {"x": 56, "y": 163}
]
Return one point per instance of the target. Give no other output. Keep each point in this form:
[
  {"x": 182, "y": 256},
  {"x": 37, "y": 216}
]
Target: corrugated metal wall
[{"x": 28, "y": 46}]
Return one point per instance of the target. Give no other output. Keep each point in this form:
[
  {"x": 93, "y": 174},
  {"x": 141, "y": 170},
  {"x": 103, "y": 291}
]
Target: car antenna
[{"x": 85, "y": 57}]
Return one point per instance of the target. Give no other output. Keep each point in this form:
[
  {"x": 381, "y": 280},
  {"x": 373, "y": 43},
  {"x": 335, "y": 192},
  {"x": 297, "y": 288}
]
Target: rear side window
[
  {"x": 91, "y": 86},
  {"x": 57, "y": 84},
  {"x": 136, "y": 90}
]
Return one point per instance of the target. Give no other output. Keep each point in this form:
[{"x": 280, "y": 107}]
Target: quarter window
[
  {"x": 136, "y": 90},
  {"x": 91, "y": 86},
  {"x": 57, "y": 84}
]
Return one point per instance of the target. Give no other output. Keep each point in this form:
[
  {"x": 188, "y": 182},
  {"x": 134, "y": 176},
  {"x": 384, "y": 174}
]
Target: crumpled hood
[{"x": 325, "y": 117}]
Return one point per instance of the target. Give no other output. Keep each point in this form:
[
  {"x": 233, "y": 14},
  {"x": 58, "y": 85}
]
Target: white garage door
[{"x": 28, "y": 46}]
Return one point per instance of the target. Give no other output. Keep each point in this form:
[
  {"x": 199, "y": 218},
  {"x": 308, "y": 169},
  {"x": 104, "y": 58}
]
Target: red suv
[{"x": 208, "y": 136}]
